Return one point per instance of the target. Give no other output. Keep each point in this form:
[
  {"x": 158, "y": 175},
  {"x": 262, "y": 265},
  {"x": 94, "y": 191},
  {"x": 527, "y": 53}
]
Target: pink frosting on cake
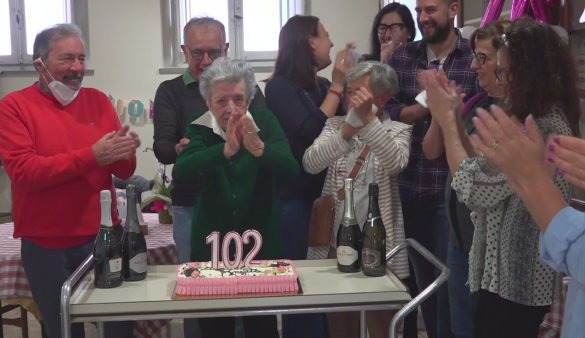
[{"x": 270, "y": 276}]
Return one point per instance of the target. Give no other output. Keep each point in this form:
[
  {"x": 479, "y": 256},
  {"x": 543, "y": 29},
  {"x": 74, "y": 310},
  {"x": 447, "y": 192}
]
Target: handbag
[{"x": 323, "y": 211}]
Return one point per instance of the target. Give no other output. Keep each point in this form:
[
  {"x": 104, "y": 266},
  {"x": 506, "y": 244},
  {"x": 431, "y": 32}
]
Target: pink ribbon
[
  {"x": 540, "y": 10},
  {"x": 492, "y": 12},
  {"x": 519, "y": 9}
]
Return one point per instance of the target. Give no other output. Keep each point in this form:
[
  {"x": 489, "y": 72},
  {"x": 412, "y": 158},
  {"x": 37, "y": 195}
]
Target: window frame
[
  {"x": 173, "y": 21},
  {"x": 19, "y": 58}
]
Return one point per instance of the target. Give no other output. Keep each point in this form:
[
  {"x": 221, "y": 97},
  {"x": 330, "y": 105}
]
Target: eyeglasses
[
  {"x": 499, "y": 73},
  {"x": 394, "y": 28},
  {"x": 480, "y": 57},
  {"x": 199, "y": 54}
]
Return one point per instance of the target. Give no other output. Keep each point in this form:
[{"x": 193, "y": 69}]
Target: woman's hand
[
  {"x": 520, "y": 156},
  {"x": 234, "y": 136},
  {"x": 343, "y": 62},
  {"x": 387, "y": 49},
  {"x": 568, "y": 155},
  {"x": 250, "y": 138},
  {"x": 362, "y": 101}
]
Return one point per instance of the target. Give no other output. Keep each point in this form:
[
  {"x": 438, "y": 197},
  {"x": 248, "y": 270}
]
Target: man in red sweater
[{"x": 60, "y": 145}]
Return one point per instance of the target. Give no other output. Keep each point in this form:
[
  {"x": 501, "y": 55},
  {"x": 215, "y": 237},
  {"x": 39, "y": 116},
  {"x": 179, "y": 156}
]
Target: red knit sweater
[{"x": 46, "y": 150}]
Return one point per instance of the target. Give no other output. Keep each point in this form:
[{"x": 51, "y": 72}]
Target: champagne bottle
[
  {"x": 133, "y": 243},
  {"x": 374, "y": 244},
  {"x": 349, "y": 236},
  {"x": 107, "y": 252}
]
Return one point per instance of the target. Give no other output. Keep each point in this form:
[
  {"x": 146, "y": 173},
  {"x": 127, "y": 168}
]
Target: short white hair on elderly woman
[
  {"x": 382, "y": 77},
  {"x": 225, "y": 69}
]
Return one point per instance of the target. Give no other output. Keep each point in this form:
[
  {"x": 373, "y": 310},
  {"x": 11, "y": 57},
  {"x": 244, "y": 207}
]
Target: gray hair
[
  {"x": 382, "y": 77},
  {"x": 225, "y": 69},
  {"x": 47, "y": 36},
  {"x": 204, "y": 21}
]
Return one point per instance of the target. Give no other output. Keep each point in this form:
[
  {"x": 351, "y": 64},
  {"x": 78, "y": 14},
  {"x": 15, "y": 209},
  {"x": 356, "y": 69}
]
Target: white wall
[{"x": 125, "y": 42}]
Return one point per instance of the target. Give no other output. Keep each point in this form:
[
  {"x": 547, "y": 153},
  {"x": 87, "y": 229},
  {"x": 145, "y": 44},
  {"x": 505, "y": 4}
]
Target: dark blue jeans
[
  {"x": 462, "y": 303},
  {"x": 182, "y": 219},
  {"x": 46, "y": 271},
  {"x": 426, "y": 221},
  {"x": 294, "y": 215}
]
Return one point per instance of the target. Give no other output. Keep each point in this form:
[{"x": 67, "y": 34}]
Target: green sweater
[{"x": 236, "y": 194}]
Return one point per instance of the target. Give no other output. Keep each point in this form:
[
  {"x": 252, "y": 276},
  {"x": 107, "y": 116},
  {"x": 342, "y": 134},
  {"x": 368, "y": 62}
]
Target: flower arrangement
[{"x": 160, "y": 196}]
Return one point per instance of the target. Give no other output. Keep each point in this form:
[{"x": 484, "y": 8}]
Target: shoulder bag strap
[{"x": 359, "y": 163}]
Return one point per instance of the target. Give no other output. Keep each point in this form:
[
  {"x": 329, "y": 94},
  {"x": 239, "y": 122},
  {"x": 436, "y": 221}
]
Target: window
[
  {"x": 21, "y": 20},
  {"x": 252, "y": 26}
]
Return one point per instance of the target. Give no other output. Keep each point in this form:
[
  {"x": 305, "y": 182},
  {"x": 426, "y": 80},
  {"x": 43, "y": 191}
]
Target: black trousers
[
  {"x": 501, "y": 318},
  {"x": 254, "y": 327}
]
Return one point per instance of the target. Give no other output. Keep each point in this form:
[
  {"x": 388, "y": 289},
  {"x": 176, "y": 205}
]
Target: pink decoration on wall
[{"x": 492, "y": 12}]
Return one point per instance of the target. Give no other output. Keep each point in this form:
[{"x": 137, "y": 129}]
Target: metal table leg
[
  {"x": 100, "y": 329},
  {"x": 1, "y": 325},
  {"x": 424, "y": 294},
  {"x": 363, "y": 326},
  {"x": 67, "y": 290}
]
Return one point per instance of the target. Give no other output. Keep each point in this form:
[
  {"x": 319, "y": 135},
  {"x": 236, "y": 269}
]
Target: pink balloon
[
  {"x": 492, "y": 12},
  {"x": 519, "y": 9}
]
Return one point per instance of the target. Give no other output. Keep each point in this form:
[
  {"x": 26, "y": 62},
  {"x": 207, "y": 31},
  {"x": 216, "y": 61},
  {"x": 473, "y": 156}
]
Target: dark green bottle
[
  {"x": 134, "y": 251},
  {"x": 349, "y": 236},
  {"x": 107, "y": 251},
  {"x": 374, "y": 233}
]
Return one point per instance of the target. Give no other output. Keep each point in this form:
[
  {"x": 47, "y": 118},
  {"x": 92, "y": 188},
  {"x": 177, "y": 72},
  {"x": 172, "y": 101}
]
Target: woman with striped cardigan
[{"x": 368, "y": 86}]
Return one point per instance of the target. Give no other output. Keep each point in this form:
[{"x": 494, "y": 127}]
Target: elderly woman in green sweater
[{"x": 238, "y": 156}]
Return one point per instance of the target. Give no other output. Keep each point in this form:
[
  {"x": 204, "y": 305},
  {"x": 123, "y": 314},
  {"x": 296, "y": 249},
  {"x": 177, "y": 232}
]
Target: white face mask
[{"x": 60, "y": 91}]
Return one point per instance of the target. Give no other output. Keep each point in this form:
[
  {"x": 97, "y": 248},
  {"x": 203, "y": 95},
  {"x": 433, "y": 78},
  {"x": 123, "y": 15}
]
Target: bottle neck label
[
  {"x": 348, "y": 211},
  {"x": 373, "y": 207}
]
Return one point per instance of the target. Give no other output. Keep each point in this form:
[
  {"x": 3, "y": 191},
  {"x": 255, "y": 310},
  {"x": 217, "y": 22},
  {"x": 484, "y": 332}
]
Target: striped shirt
[
  {"x": 424, "y": 178},
  {"x": 390, "y": 143}
]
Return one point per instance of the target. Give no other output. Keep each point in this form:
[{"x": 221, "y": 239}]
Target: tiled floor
[{"x": 34, "y": 328}]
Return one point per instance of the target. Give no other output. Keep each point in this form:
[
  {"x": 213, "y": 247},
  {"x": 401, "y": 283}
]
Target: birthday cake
[{"x": 270, "y": 276}]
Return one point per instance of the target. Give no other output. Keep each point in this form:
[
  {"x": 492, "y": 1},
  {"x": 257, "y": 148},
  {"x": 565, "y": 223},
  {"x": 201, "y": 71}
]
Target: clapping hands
[
  {"x": 115, "y": 146},
  {"x": 444, "y": 97},
  {"x": 241, "y": 130},
  {"x": 344, "y": 60}
]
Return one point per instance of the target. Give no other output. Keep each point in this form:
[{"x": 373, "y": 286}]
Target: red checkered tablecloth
[{"x": 13, "y": 282}]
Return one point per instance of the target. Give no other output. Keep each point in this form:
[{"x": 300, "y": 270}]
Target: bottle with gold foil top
[{"x": 349, "y": 236}]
